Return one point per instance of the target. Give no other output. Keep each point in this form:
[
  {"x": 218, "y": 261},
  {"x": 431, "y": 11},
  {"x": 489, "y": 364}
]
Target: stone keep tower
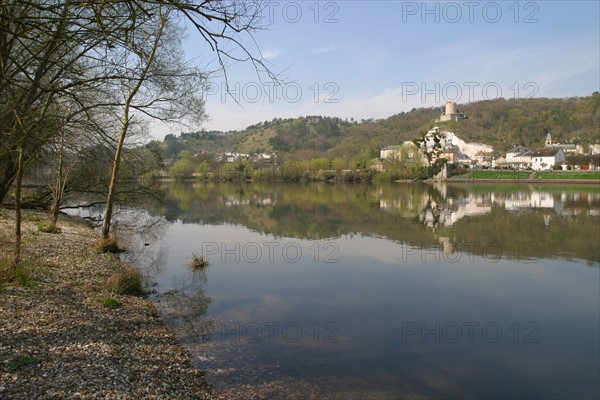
[
  {"x": 451, "y": 113},
  {"x": 450, "y": 108}
]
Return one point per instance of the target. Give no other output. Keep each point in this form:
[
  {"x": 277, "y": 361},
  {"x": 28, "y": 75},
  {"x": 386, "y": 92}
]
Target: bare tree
[
  {"x": 58, "y": 186},
  {"x": 78, "y": 55},
  {"x": 144, "y": 63}
]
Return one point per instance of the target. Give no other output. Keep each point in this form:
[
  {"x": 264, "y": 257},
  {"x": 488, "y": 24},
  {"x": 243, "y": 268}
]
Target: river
[{"x": 379, "y": 291}]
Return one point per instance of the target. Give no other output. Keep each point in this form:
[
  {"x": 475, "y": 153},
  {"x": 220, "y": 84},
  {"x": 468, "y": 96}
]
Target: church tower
[{"x": 548, "y": 140}]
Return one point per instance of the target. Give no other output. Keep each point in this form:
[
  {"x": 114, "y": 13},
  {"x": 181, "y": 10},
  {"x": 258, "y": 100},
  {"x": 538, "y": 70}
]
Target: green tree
[
  {"x": 183, "y": 168},
  {"x": 338, "y": 164},
  {"x": 430, "y": 145}
]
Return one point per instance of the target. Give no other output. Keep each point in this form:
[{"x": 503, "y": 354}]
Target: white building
[
  {"x": 407, "y": 150},
  {"x": 389, "y": 152},
  {"x": 519, "y": 157},
  {"x": 546, "y": 158},
  {"x": 232, "y": 157},
  {"x": 484, "y": 158}
]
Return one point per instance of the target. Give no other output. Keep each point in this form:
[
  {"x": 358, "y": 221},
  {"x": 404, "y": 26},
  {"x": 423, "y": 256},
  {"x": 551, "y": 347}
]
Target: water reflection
[
  {"x": 558, "y": 220},
  {"x": 413, "y": 266},
  {"x": 184, "y": 306},
  {"x": 141, "y": 233}
]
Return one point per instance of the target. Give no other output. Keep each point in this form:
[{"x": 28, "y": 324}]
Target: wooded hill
[{"x": 500, "y": 123}]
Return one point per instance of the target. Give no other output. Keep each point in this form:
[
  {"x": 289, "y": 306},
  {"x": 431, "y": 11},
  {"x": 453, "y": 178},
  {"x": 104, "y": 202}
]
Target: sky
[{"x": 374, "y": 59}]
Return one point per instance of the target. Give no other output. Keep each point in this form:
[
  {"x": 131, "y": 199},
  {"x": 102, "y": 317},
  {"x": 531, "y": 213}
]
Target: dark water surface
[{"x": 382, "y": 292}]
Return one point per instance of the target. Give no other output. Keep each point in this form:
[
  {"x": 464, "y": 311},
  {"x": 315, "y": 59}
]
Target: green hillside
[{"x": 500, "y": 123}]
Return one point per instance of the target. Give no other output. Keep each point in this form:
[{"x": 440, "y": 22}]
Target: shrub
[
  {"x": 128, "y": 281},
  {"x": 387, "y": 176},
  {"x": 108, "y": 245}
]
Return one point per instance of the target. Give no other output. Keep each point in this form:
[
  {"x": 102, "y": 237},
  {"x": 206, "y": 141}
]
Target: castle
[{"x": 451, "y": 113}]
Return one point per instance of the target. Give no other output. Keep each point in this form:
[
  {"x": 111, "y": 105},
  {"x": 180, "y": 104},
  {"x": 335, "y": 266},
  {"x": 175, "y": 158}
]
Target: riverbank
[
  {"x": 528, "y": 177},
  {"x": 64, "y": 334},
  {"x": 527, "y": 181}
]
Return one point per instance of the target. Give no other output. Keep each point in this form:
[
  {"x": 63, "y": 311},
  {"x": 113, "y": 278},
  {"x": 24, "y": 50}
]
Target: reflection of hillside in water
[{"x": 559, "y": 221}]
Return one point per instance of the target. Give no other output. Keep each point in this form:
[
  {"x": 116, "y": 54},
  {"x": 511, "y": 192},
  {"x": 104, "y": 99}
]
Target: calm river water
[{"x": 380, "y": 291}]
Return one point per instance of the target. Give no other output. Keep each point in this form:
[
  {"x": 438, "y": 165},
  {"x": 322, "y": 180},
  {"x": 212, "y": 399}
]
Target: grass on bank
[
  {"x": 108, "y": 245},
  {"x": 128, "y": 281},
  {"x": 110, "y": 302},
  {"x": 47, "y": 228},
  {"x": 492, "y": 174},
  {"x": 568, "y": 175},
  {"x": 500, "y": 174},
  {"x": 24, "y": 273}
]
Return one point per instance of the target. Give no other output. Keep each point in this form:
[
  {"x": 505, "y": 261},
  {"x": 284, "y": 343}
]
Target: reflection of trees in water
[
  {"x": 433, "y": 215},
  {"x": 141, "y": 234},
  {"x": 183, "y": 308},
  {"x": 430, "y": 214},
  {"x": 435, "y": 206},
  {"x": 416, "y": 214}
]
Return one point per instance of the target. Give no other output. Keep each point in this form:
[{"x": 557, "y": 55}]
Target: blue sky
[{"x": 373, "y": 59}]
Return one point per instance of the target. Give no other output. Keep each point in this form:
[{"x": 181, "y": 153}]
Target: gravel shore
[{"x": 59, "y": 340}]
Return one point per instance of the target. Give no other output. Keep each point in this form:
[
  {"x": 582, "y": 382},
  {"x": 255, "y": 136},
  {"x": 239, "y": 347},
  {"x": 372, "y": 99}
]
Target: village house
[
  {"x": 232, "y": 157},
  {"x": 406, "y": 150},
  {"x": 449, "y": 152},
  {"x": 547, "y": 158},
  {"x": 265, "y": 156},
  {"x": 499, "y": 162},
  {"x": 449, "y": 155},
  {"x": 519, "y": 157},
  {"x": 463, "y": 159},
  {"x": 484, "y": 158},
  {"x": 389, "y": 152}
]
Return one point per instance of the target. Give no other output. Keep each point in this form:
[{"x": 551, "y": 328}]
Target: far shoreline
[{"x": 528, "y": 181}]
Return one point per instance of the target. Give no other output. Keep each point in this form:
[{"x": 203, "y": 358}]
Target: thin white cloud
[
  {"x": 549, "y": 80},
  {"x": 270, "y": 54},
  {"x": 378, "y": 105},
  {"x": 328, "y": 48}
]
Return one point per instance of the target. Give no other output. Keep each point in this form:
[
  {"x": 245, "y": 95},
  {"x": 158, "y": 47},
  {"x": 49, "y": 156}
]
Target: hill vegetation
[{"x": 500, "y": 123}]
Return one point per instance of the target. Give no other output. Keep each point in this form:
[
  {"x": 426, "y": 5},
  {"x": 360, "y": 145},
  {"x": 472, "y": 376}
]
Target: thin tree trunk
[
  {"x": 12, "y": 170},
  {"x": 18, "y": 235},
  {"x": 7, "y": 178},
  {"x": 126, "y": 120},
  {"x": 113, "y": 177},
  {"x": 59, "y": 188}
]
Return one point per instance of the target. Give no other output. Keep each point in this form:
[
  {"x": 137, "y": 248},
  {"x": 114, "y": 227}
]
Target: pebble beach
[{"x": 61, "y": 338}]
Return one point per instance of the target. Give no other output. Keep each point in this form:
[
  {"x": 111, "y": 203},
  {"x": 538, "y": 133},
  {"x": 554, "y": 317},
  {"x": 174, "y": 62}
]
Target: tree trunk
[
  {"x": 126, "y": 120},
  {"x": 18, "y": 236},
  {"x": 59, "y": 187},
  {"x": 113, "y": 177},
  {"x": 33, "y": 92},
  {"x": 6, "y": 180}
]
